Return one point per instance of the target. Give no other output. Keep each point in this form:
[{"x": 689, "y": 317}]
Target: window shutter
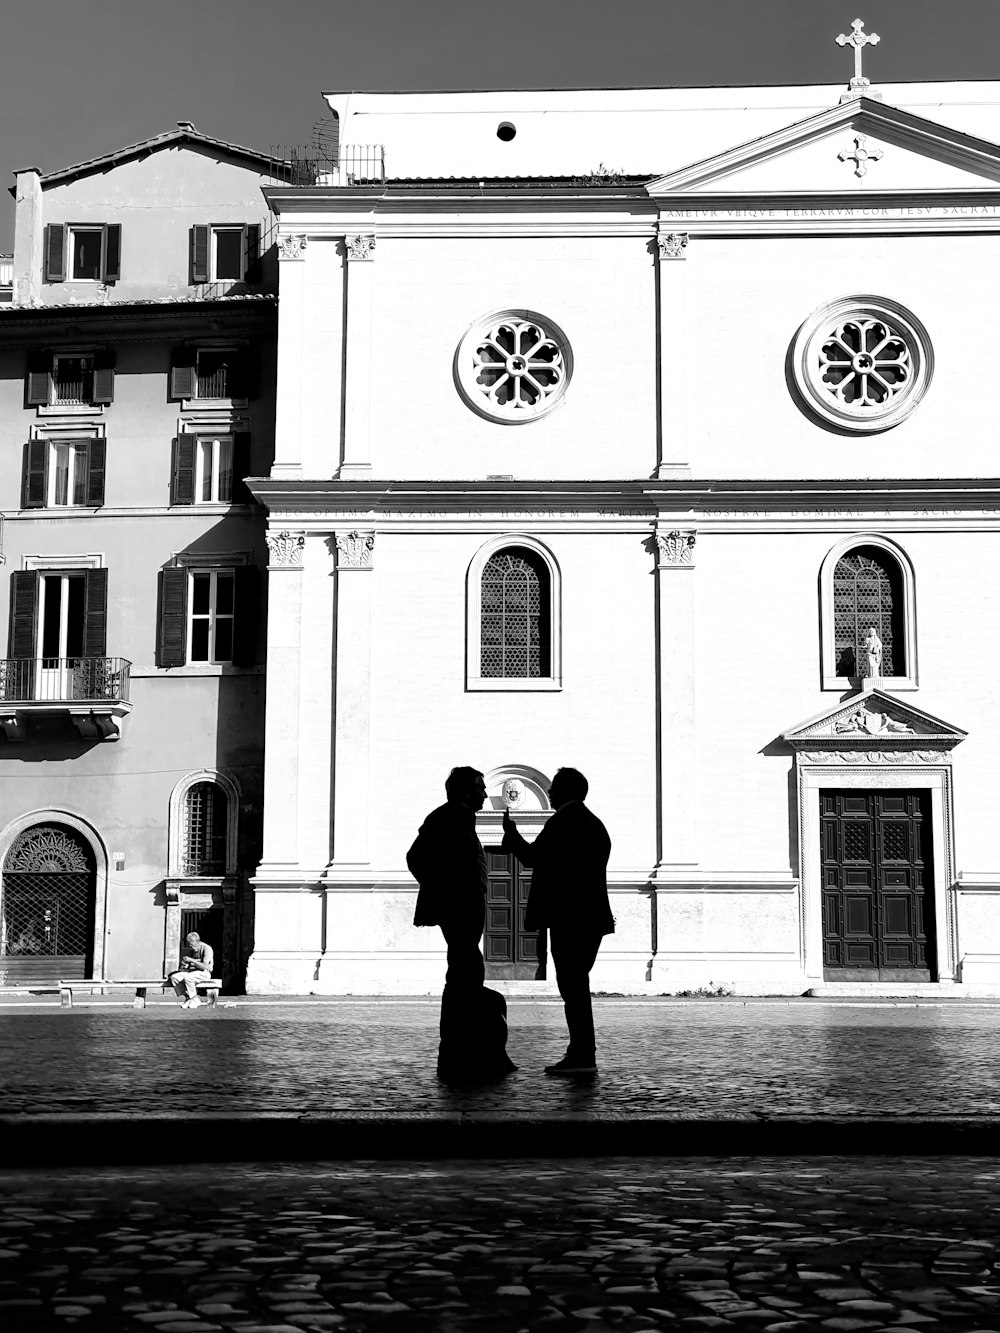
[
  {"x": 39, "y": 378},
  {"x": 183, "y": 372},
  {"x": 36, "y": 474},
  {"x": 171, "y": 649},
  {"x": 96, "y": 453},
  {"x": 241, "y": 467},
  {"x": 104, "y": 376},
  {"x": 251, "y": 252},
  {"x": 246, "y": 373},
  {"x": 55, "y": 252},
  {"x": 200, "y": 240},
  {"x": 23, "y": 613},
  {"x": 182, "y": 490},
  {"x": 95, "y": 613},
  {"x": 246, "y": 616},
  {"x": 112, "y": 251}
]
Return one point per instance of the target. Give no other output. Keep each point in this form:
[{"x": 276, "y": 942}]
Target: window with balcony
[
  {"x": 70, "y": 380},
  {"x": 213, "y": 373},
  {"x": 210, "y": 468},
  {"x": 208, "y": 615},
  {"x": 63, "y": 473},
  {"x": 225, "y": 252},
  {"x": 83, "y": 252}
]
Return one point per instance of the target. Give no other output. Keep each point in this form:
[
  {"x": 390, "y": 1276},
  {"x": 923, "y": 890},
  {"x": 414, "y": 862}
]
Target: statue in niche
[{"x": 873, "y": 647}]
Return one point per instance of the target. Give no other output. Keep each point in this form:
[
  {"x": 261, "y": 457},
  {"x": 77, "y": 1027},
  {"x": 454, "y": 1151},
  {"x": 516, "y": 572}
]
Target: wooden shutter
[
  {"x": 251, "y": 252},
  {"x": 201, "y": 238},
  {"x": 183, "y": 372},
  {"x": 39, "y": 388},
  {"x": 96, "y": 453},
  {"x": 34, "y": 491},
  {"x": 245, "y": 373},
  {"x": 95, "y": 613},
  {"x": 241, "y": 467},
  {"x": 23, "y": 614},
  {"x": 246, "y": 616},
  {"x": 182, "y": 488},
  {"x": 55, "y": 252},
  {"x": 104, "y": 376},
  {"x": 171, "y": 647},
  {"x": 112, "y": 252}
]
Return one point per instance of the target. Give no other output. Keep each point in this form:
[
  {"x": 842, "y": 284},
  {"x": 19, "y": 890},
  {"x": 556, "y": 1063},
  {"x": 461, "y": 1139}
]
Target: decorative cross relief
[
  {"x": 672, "y": 245},
  {"x": 355, "y": 550},
  {"x": 284, "y": 549},
  {"x": 674, "y": 549},
  {"x": 859, "y": 40},
  {"x": 861, "y": 155},
  {"x": 360, "y": 247},
  {"x": 292, "y": 247}
]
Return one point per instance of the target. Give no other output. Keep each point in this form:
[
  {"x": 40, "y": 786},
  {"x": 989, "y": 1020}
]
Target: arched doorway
[{"x": 47, "y": 906}]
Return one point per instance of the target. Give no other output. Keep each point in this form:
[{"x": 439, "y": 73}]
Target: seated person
[{"x": 197, "y": 961}]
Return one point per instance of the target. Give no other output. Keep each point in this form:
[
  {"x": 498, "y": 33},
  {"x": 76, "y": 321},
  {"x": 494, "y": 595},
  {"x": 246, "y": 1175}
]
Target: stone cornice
[{"x": 30, "y": 326}]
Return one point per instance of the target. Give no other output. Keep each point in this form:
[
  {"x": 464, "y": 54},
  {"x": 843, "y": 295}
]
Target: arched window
[
  {"x": 867, "y": 583},
  {"x": 513, "y": 626},
  {"x": 206, "y": 817},
  {"x": 514, "y": 618}
]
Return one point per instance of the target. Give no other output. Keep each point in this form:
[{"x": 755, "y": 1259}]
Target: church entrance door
[
  {"x": 878, "y": 913},
  {"x": 511, "y": 952}
]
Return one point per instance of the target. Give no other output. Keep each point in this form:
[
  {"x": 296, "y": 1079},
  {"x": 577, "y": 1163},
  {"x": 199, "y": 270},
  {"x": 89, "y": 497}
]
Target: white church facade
[{"x": 586, "y": 456}]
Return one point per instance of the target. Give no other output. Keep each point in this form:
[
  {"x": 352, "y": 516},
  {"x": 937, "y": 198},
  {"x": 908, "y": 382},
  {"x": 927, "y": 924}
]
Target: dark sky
[{"x": 82, "y": 77}]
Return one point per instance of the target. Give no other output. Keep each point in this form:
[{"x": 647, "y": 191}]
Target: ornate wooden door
[
  {"x": 878, "y": 913},
  {"x": 511, "y": 952}
]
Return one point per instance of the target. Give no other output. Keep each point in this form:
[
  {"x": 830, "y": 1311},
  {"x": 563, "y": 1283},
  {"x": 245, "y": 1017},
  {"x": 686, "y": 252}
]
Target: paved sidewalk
[{"x": 348, "y": 1078}]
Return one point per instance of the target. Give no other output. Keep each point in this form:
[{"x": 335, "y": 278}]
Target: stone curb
[{"x": 109, "y": 1138}]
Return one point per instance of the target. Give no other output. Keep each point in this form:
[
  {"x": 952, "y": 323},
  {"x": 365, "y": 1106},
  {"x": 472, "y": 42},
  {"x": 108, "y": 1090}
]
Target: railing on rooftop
[{"x": 351, "y": 164}]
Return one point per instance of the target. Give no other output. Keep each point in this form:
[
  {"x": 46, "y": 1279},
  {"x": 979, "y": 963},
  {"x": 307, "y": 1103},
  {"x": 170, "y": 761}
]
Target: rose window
[
  {"x": 513, "y": 366},
  {"x": 862, "y": 363}
]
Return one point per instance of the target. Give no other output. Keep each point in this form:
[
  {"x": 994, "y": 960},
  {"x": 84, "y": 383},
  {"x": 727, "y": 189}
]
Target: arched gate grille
[{"x": 47, "y": 907}]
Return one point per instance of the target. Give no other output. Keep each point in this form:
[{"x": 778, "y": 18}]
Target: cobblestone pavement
[
  {"x": 712, "y": 1060},
  {"x": 631, "y": 1246}
]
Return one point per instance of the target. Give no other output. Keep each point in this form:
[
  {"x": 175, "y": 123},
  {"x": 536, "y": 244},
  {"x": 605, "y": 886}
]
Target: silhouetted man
[
  {"x": 569, "y": 896},
  {"x": 448, "y": 862}
]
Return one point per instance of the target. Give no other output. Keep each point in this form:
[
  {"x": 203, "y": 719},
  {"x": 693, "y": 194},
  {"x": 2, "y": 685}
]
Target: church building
[{"x": 646, "y": 432}]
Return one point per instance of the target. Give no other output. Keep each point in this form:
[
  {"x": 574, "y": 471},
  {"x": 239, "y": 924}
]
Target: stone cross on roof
[{"x": 859, "y": 40}]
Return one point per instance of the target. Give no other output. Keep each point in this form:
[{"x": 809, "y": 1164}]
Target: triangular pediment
[
  {"x": 898, "y": 152},
  {"x": 873, "y": 720}
]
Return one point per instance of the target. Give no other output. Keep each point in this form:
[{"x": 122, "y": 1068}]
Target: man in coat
[
  {"x": 569, "y": 896},
  {"x": 448, "y": 862}
]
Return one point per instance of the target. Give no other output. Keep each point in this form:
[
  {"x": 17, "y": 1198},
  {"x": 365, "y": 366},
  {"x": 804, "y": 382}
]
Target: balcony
[{"x": 91, "y": 691}]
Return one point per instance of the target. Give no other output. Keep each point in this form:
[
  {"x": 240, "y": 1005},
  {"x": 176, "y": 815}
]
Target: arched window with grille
[
  {"x": 205, "y": 827},
  {"x": 868, "y": 584},
  {"x": 513, "y": 631}
]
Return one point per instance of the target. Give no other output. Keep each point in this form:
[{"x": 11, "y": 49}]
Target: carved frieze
[
  {"x": 856, "y": 757},
  {"x": 360, "y": 247},
  {"x": 292, "y": 247},
  {"x": 284, "y": 549},
  {"x": 675, "y": 549},
  {"x": 355, "y": 550}
]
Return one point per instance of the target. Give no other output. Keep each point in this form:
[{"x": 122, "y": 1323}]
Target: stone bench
[{"x": 210, "y": 988}]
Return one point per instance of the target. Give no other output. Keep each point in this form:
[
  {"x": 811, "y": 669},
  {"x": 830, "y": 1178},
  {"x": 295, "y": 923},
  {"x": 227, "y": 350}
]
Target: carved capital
[
  {"x": 355, "y": 550},
  {"x": 674, "y": 549},
  {"x": 672, "y": 245},
  {"x": 360, "y": 247},
  {"x": 292, "y": 247},
  {"x": 284, "y": 549}
]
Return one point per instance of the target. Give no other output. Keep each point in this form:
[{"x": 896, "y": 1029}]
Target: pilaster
[
  {"x": 292, "y": 291},
  {"x": 359, "y": 253},
  {"x": 28, "y": 237},
  {"x": 282, "y": 715},
  {"x": 675, "y": 700},
  {"x": 671, "y": 341}
]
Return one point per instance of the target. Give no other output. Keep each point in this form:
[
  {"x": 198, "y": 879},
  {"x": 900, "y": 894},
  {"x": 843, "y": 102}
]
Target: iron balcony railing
[
  {"x": 350, "y": 164},
  {"x": 70, "y": 680}
]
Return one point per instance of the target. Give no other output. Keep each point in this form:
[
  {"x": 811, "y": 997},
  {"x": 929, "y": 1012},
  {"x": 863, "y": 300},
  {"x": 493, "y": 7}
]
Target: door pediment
[
  {"x": 898, "y": 152},
  {"x": 874, "y": 722}
]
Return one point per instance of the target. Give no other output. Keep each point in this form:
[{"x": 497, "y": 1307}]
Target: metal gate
[{"x": 47, "y": 907}]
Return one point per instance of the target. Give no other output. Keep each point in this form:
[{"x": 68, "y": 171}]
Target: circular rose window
[
  {"x": 862, "y": 362},
  {"x": 513, "y": 366}
]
